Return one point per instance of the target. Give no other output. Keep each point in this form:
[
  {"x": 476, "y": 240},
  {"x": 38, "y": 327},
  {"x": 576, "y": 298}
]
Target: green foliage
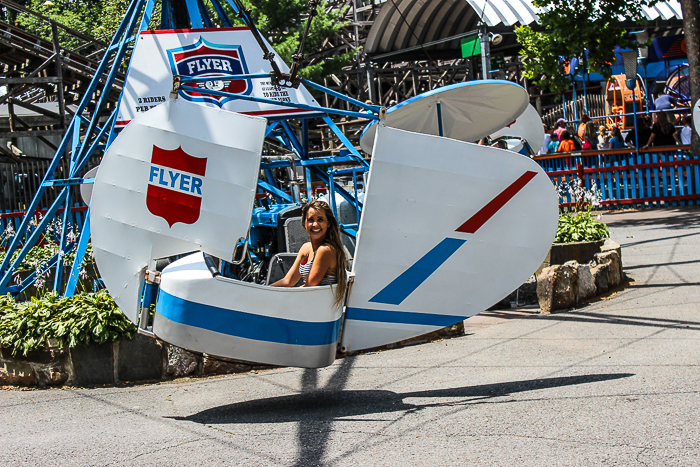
[
  {"x": 90, "y": 318},
  {"x": 579, "y": 227},
  {"x": 569, "y": 27},
  {"x": 23, "y": 327},
  {"x": 83, "y": 319},
  {"x": 282, "y": 23},
  {"x": 81, "y": 15}
]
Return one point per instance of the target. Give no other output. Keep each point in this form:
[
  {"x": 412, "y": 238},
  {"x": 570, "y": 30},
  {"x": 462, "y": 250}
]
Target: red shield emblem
[{"x": 175, "y": 185}]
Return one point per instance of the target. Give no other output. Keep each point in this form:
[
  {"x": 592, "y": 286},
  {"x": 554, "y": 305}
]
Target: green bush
[
  {"x": 83, "y": 319},
  {"x": 580, "y": 227}
]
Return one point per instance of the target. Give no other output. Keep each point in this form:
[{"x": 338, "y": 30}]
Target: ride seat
[
  {"x": 279, "y": 266},
  {"x": 295, "y": 234}
]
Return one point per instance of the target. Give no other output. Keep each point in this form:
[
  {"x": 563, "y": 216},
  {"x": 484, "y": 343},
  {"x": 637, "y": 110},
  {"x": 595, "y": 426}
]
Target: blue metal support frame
[
  {"x": 86, "y": 134},
  {"x": 79, "y": 255},
  {"x": 79, "y": 151}
]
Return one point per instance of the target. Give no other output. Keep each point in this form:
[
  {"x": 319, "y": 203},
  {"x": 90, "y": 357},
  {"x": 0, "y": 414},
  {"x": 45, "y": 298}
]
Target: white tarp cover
[
  {"x": 527, "y": 126},
  {"x": 204, "y": 53},
  {"x": 448, "y": 229},
  {"x": 511, "y": 12},
  {"x": 469, "y": 111},
  {"x": 180, "y": 177}
]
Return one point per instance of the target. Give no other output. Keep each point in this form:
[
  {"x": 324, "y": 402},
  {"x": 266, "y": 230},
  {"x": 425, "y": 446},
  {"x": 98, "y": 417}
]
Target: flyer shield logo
[
  {"x": 203, "y": 60},
  {"x": 175, "y": 185}
]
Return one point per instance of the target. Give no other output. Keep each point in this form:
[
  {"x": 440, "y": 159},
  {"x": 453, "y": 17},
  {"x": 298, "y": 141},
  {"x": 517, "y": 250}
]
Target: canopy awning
[{"x": 429, "y": 27}]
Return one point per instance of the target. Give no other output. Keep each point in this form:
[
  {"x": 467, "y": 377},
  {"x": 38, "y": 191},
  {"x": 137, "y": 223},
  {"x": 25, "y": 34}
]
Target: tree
[
  {"x": 571, "y": 26},
  {"x": 81, "y": 15},
  {"x": 691, "y": 28},
  {"x": 282, "y": 22}
]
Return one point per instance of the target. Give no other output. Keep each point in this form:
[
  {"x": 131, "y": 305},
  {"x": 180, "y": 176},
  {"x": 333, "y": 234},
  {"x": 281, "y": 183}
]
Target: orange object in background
[{"x": 618, "y": 101}]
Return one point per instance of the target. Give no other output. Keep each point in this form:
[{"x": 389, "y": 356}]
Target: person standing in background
[
  {"x": 590, "y": 137},
  {"x": 554, "y": 144},
  {"x": 566, "y": 144},
  {"x": 603, "y": 138},
  {"x": 561, "y": 126},
  {"x": 687, "y": 130},
  {"x": 665, "y": 102},
  {"x": 582, "y": 127},
  {"x": 663, "y": 133},
  {"x": 644, "y": 132},
  {"x": 615, "y": 140},
  {"x": 547, "y": 139}
]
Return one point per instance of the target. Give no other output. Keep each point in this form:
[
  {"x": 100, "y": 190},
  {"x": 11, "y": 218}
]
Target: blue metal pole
[
  {"x": 563, "y": 103},
  {"x": 320, "y": 109},
  {"x": 636, "y": 133},
  {"x": 573, "y": 87},
  {"x": 79, "y": 255}
]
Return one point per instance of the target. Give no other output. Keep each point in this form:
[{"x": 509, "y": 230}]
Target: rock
[
  {"x": 17, "y": 374},
  {"x": 586, "y": 284},
  {"x": 50, "y": 375},
  {"x": 181, "y": 362},
  {"x": 611, "y": 258},
  {"x": 223, "y": 366},
  {"x": 140, "y": 359},
  {"x": 526, "y": 294},
  {"x": 557, "y": 287},
  {"x": 93, "y": 364},
  {"x": 610, "y": 245},
  {"x": 503, "y": 304},
  {"x": 600, "y": 278}
]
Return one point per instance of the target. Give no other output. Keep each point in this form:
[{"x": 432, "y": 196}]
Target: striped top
[{"x": 305, "y": 269}]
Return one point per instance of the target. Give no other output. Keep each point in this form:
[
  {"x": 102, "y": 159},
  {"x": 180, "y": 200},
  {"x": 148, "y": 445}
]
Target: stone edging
[
  {"x": 567, "y": 285},
  {"x": 143, "y": 358}
]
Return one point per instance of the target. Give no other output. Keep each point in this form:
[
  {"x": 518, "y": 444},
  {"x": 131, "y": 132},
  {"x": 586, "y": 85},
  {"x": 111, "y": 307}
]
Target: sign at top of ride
[{"x": 206, "y": 53}]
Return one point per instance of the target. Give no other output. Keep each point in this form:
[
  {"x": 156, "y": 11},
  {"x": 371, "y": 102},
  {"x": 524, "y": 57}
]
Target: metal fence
[
  {"x": 663, "y": 176},
  {"x": 594, "y": 103},
  {"x": 20, "y": 183}
]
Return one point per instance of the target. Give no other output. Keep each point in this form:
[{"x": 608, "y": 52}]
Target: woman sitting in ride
[{"x": 321, "y": 261}]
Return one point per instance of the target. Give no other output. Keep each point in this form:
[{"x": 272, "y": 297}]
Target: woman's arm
[
  {"x": 293, "y": 275},
  {"x": 651, "y": 140},
  {"x": 323, "y": 261}
]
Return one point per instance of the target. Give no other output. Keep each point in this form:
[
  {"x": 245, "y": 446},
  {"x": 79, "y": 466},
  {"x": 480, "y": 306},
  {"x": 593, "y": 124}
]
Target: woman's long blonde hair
[
  {"x": 591, "y": 131},
  {"x": 332, "y": 239}
]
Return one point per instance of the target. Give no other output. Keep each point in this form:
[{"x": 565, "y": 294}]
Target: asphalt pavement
[{"x": 615, "y": 382}]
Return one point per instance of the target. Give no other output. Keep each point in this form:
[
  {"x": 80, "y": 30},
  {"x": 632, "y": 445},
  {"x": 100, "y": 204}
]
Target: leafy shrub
[
  {"x": 580, "y": 227},
  {"x": 79, "y": 320},
  {"x": 90, "y": 318}
]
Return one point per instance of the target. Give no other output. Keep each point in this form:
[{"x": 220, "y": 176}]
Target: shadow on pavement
[
  {"x": 313, "y": 433},
  {"x": 656, "y": 265},
  {"x": 596, "y": 317},
  {"x": 653, "y": 240},
  {"x": 669, "y": 218},
  {"x": 326, "y": 405}
]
